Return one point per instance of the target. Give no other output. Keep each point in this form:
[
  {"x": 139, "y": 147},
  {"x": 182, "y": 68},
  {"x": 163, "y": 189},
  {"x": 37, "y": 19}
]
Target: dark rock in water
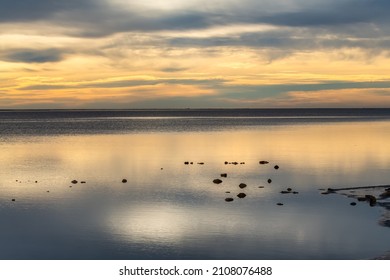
[
  {"x": 241, "y": 195},
  {"x": 82, "y": 182},
  {"x": 242, "y": 162},
  {"x": 276, "y": 166},
  {"x": 269, "y": 181},
  {"x": 284, "y": 192},
  {"x": 124, "y": 180},
  {"x": 13, "y": 199},
  {"x": 385, "y": 194},
  {"x": 74, "y": 182},
  {"x": 217, "y": 181},
  {"x": 227, "y": 192},
  {"x": 191, "y": 162},
  {"x": 229, "y": 199},
  {"x": 263, "y": 162},
  {"x": 289, "y": 189},
  {"x": 295, "y": 192},
  {"x": 352, "y": 203},
  {"x": 47, "y": 191},
  {"x": 162, "y": 168},
  {"x": 261, "y": 187},
  {"x": 235, "y": 162},
  {"x": 224, "y": 175},
  {"x": 36, "y": 182},
  {"x": 226, "y": 162},
  {"x": 280, "y": 204},
  {"x": 242, "y": 185},
  {"x": 186, "y": 162},
  {"x": 371, "y": 199},
  {"x": 200, "y": 163},
  {"x": 361, "y": 198}
]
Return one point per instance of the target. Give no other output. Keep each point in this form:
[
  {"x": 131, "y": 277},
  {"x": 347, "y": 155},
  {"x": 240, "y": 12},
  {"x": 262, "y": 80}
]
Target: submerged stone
[
  {"x": 263, "y": 162},
  {"x": 279, "y": 203},
  {"x": 276, "y": 166},
  {"x": 124, "y": 180},
  {"x": 242, "y": 185},
  {"x": 353, "y": 203},
  {"x": 269, "y": 181},
  {"x": 371, "y": 199},
  {"x": 229, "y": 199},
  {"x": 74, "y": 182},
  {"x": 224, "y": 175}
]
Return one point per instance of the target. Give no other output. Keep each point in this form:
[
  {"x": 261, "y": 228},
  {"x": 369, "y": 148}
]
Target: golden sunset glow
[{"x": 179, "y": 54}]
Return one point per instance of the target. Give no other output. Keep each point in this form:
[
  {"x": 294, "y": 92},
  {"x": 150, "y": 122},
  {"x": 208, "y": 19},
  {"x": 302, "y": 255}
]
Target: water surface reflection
[{"x": 171, "y": 210}]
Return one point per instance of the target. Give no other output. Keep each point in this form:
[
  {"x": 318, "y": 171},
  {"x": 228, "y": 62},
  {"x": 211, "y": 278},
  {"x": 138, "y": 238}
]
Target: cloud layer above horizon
[{"x": 195, "y": 53}]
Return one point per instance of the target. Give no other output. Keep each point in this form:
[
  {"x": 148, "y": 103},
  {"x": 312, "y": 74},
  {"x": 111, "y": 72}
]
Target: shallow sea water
[{"x": 170, "y": 210}]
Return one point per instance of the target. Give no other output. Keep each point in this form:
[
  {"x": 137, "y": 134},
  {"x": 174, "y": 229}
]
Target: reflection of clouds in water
[{"x": 159, "y": 223}]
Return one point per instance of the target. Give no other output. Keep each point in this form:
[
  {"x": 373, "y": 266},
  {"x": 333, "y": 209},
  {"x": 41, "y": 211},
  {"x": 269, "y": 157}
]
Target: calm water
[{"x": 169, "y": 210}]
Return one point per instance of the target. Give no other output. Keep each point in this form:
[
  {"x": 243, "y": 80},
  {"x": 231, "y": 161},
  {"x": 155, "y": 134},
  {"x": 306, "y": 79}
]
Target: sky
[{"x": 125, "y": 54}]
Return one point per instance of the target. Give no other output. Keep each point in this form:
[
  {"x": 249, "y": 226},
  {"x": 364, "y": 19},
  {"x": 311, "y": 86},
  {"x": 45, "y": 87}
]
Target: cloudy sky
[{"x": 194, "y": 53}]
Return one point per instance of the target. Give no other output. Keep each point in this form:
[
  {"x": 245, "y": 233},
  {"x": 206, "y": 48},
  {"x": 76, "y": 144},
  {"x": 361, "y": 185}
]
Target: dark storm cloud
[{"x": 32, "y": 55}]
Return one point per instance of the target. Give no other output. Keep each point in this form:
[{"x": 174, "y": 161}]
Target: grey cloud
[
  {"x": 129, "y": 83},
  {"x": 173, "y": 69},
  {"x": 245, "y": 91},
  {"x": 32, "y": 55},
  {"x": 100, "y": 18},
  {"x": 32, "y": 10}
]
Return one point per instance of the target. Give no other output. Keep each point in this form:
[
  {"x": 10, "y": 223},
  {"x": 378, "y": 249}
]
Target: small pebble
[
  {"x": 353, "y": 203},
  {"x": 229, "y": 199},
  {"x": 276, "y": 166},
  {"x": 217, "y": 181},
  {"x": 261, "y": 187},
  {"x": 269, "y": 181},
  {"x": 224, "y": 175},
  {"x": 280, "y": 204},
  {"x": 289, "y": 189},
  {"x": 13, "y": 199},
  {"x": 241, "y": 195},
  {"x": 242, "y": 185},
  {"x": 124, "y": 181}
]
